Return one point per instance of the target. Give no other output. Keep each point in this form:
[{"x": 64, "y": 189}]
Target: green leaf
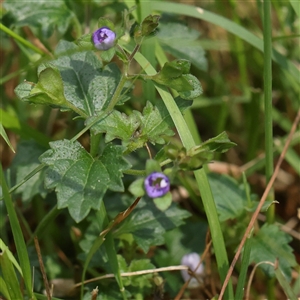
[
  {"x": 139, "y": 128},
  {"x": 113, "y": 160},
  {"x": 10, "y": 277},
  {"x": 141, "y": 281},
  {"x": 230, "y": 199},
  {"x": 136, "y": 188},
  {"x": 147, "y": 27},
  {"x": 220, "y": 143},
  {"x": 195, "y": 92},
  {"x": 108, "y": 55},
  {"x": 5, "y": 137},
  {"x": 22, "y": 165},
  {"x": 164, "y": 202},
  {"x": 269, "y": 244},
  {"x": 23, "y": 89},
  {"x": 87, "y": 85},
  {"x": 148, "y": 224},
  {"x": 182, "y": 42},
  {"x": 44, "y": 16},
  {"x": 80, "y": 180},
  {"x": 104, "y": 22},
  {"x": 171, "y": 75}
]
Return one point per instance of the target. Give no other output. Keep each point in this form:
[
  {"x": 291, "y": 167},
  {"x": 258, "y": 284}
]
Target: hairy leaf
[
  {"x": 80, "y": 180},
  {"x": 87, "y": 85},
  {"x": 270, "y": 244},
  {"x": 148, "y": 224},
  {"x": 45, "y": 16},
  {"x": 139, "y": 128}
]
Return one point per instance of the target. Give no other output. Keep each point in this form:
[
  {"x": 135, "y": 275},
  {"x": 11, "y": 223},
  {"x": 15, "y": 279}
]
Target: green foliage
[
  {"x": 43, "y": 16},
  {"x": 138, "y": 128},
  {"x": 80, "y": 180},
  {"x": 22, "y": 165},
  {"x": 182, "y": 42},
  {"x": 148, "y": 224},
  {"x": 117, "y": 122},
  {"x": 269, "y": 244}
]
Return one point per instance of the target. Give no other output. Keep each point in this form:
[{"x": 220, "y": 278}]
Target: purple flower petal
[
  {"x": 156, "y": 185},
  {"x": 104, "y": 38}
]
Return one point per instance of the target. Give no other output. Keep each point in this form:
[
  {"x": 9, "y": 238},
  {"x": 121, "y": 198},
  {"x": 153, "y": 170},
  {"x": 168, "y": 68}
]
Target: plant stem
[
  {"x": 268, "y": 103},
  {"x": 20, "y": 39},
  {"x": 267, "y": 30}
]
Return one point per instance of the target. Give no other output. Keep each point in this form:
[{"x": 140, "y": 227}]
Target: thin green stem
[
  {"x": 267, "y": 30},
  {"x": 47, "y": 219},
  {"x": 20, "y": 39},
  {"x": 268, "y": 102},
  {"x": 115, "y": 98}
]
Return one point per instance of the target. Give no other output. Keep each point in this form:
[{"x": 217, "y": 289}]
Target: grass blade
[
  {"x": 18, "y": 237},
  {"x": 241, "y": 32},
  {"x": 202, "y": 181}
]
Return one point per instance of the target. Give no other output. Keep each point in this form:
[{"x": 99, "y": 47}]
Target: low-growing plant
[{"x": 92, "y": 204}]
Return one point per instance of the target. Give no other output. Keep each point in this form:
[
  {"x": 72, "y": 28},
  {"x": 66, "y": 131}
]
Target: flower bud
[
  {"x": 156, "y": 185},
  {"x": 104, "y": 38}
]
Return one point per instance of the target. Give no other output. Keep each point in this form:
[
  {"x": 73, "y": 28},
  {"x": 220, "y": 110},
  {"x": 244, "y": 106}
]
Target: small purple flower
[
  {"x": 192, "y": 260},
  {"x": 104, "y": 38},
  {"x": 157, "y": 184}
]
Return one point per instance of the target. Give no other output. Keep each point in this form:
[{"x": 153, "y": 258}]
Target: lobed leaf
[
  {"x": 86, "y": 84},
  {"x": 139, "y": 128},
  {"x": 44, "y": 16},
  {"x": 80, "y": 180},
  {"x": 269, "y": 244}
]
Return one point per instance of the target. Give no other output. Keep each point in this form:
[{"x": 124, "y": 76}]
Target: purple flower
[
  {"x": 192, "y": 260},
  {"x": 157, "y": 184},
  {"x": 104, "y": 38}
]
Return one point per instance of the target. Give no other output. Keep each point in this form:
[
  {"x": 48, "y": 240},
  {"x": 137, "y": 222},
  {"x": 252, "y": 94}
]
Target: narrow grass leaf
[
  {"x": 18, "y": 236},
  {"x": 244, "y": 34},
  {"x": 10, "y": 278},
  {"x": 6, "y": 139},
  {"x": 244, "y": 268}
]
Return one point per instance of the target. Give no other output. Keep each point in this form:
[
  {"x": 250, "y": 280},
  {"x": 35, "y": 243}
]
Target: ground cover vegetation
[{"x": 149, "y": 150}]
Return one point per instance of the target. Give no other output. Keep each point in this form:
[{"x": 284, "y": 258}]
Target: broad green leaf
[
  {"x": 113, "y": 160},
  {"x": 139, "y": 128},
  {"x": 117, "y": 125},
  {"x": 230, "y": 199},
  {"x": 182, "y": 42},
  {"x": 148, "y": 224},
  {"x": 269, "y": 244},
  {"x": 87, "y": 85},
  {"x": 80, "y": 180},
  {"x": 25, "y": 161},
  {"x": 44, "y": 16},
  {"x": 10, "y": 277}
]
